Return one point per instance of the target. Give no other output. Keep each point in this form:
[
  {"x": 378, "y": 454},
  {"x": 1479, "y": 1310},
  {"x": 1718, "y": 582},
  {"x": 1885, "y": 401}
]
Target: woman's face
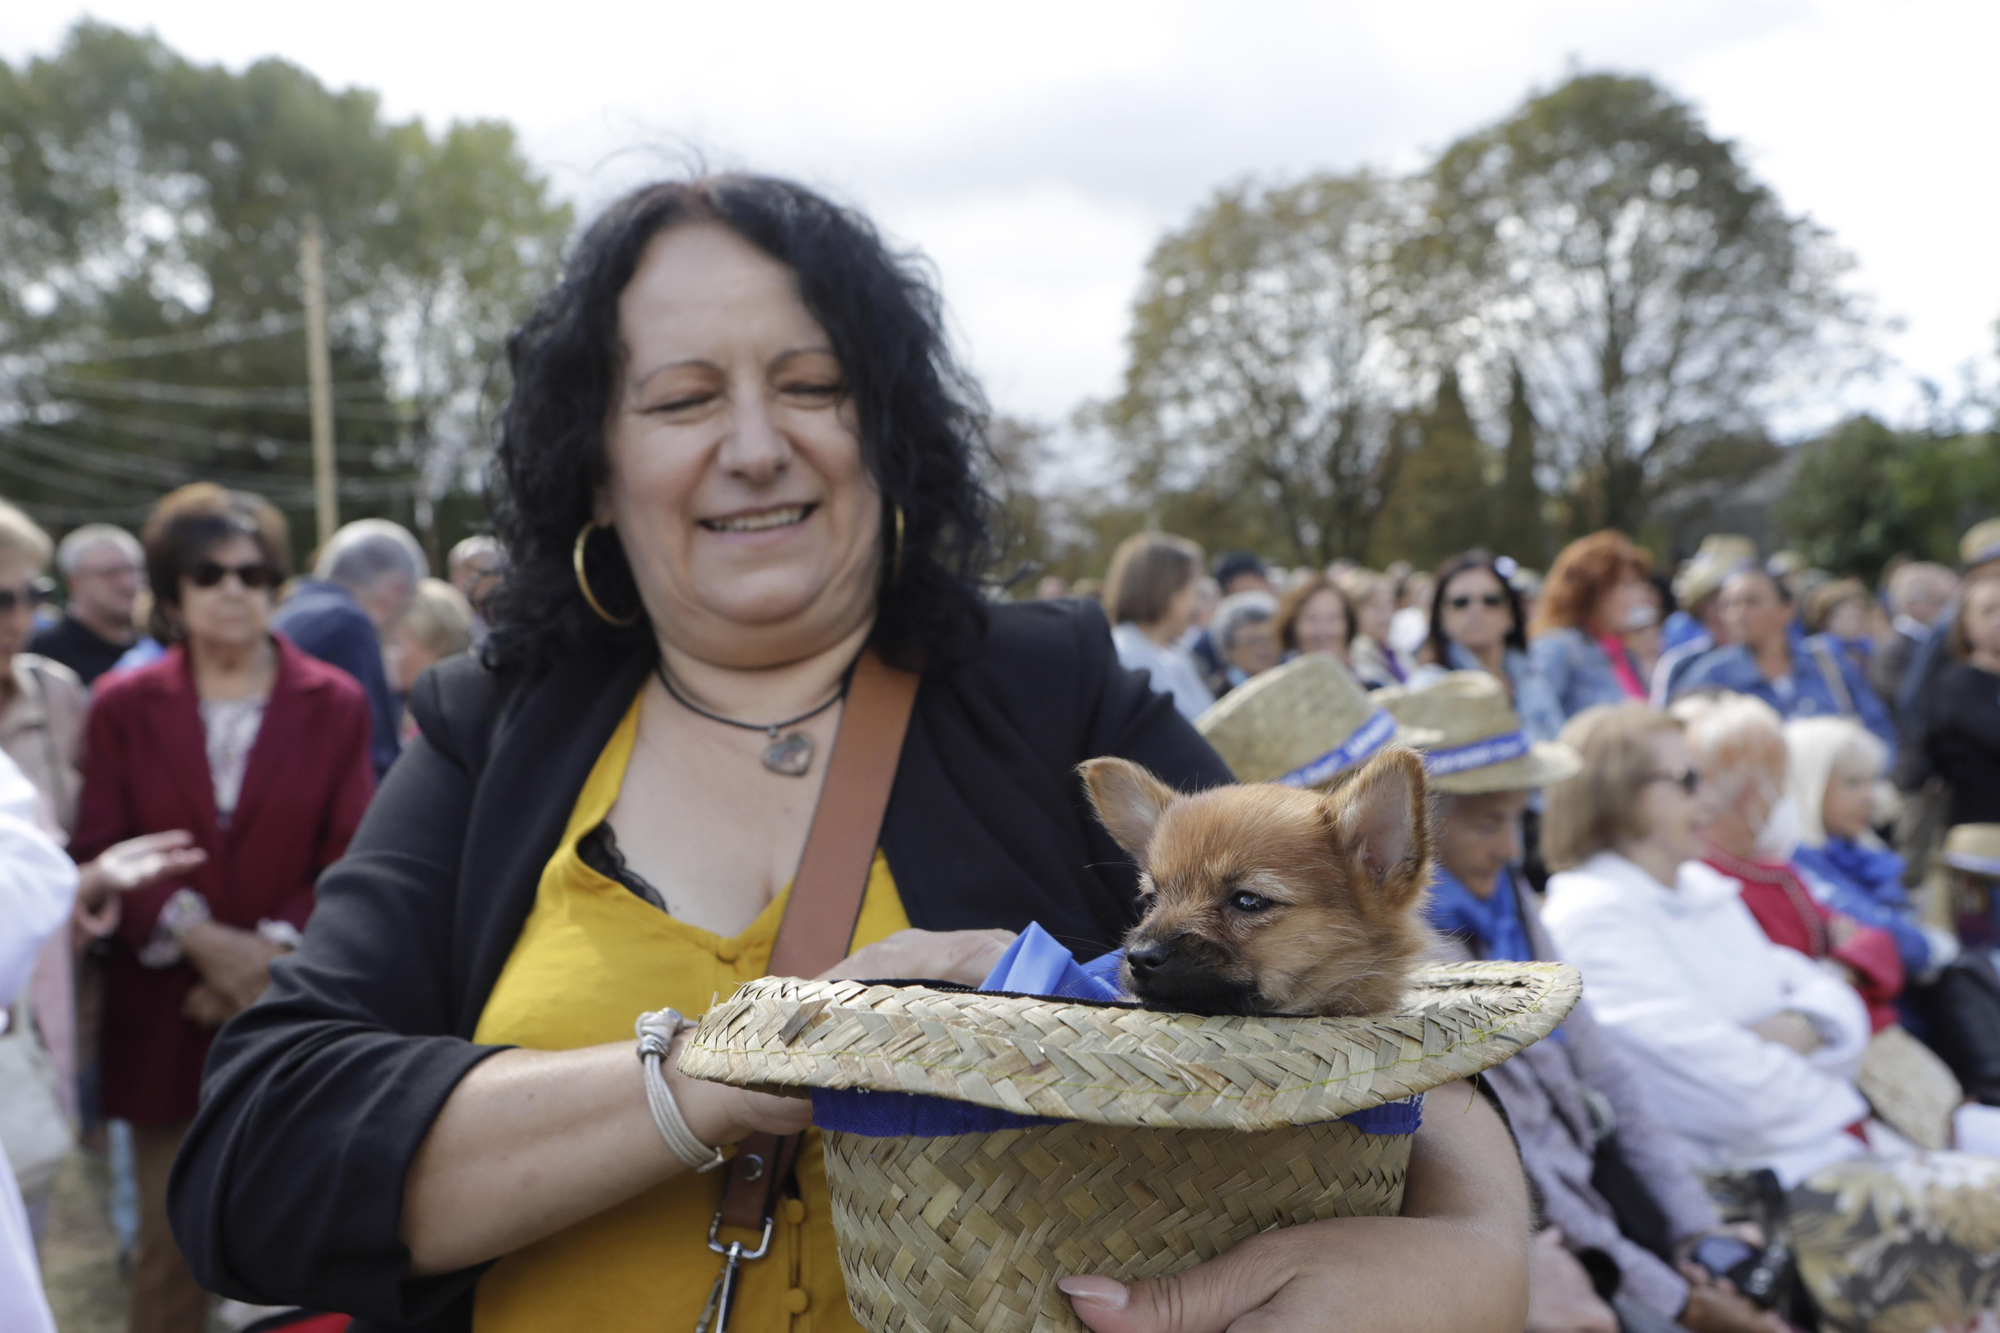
[
  {"x": 1254, "y": 648},
  {"x": 1982, "y": 615},
  {"x": 734, "y": 472},
  {"x": 1672, "y": 817},
  {"x": 1622, "y": 605},
  {"x": 227, "y": 614},
  {"x": 1181, "y": 611},
  {"x": 1475, "y": 613},
  {"x": 1848, "y": 620},
  {"x": 18, "y": 578},
  {"x": 1375, "y": 612},
  {"x": 1849, "y": 805},
  {"x": 1321, "y": 626}
]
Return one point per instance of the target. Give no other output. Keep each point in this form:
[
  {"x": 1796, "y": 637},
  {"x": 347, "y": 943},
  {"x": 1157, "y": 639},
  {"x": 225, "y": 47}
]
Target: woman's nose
[{"x": 755, "y": 448}]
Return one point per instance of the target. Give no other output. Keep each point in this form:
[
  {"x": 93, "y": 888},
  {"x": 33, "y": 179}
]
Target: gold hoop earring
[
  {"x": 896, "y": 561},
  {"x": 583, "y": 581}
]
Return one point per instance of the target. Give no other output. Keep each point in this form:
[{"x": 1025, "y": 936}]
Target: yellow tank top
[{"x": 591, "y": 958}]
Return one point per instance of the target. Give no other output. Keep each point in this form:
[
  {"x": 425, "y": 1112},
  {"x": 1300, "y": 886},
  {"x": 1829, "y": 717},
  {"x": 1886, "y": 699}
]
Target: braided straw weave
[{"x": 1192, "y": 1133}]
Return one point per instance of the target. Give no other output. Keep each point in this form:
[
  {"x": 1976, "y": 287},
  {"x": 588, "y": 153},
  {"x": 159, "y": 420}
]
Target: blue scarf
[
  {"x": 1874, "y": 871},
  {"x": 1492, "y": 925}
]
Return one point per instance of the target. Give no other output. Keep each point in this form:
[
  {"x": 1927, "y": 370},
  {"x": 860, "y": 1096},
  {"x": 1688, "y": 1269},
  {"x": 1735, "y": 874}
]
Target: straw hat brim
[
  {"x": 1121, "y": 1065},
  {"x": 1546, "y": 763}
]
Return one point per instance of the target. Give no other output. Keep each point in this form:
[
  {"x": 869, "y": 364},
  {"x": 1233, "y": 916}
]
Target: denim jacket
[
  {"x": 1810, "y": 690},
  {"x": 1577, "y": 671},
  {"x": 1534, "y": 702}
]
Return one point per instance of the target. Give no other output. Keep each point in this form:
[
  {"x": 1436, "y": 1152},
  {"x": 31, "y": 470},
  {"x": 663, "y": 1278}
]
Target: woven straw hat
[
  {"x": 1177, "y": 1136},
  {"x": 1980, "y": 543},
  {"x": 1481, "y": 746},
  {"x": 1302, "y": 724},
  {"x": 1720, "y": 555},
  {"x": 1973, "y": 848}
]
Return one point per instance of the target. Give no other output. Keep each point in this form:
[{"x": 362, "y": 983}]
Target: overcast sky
[{"x": 1036, "y": 150}]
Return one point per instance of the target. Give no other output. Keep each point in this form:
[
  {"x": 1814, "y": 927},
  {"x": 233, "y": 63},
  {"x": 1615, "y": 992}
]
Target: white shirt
[
  {"x": 1172, "y": 669},
  {"x": 37, "y": 884},
  {"x": 1678, "y": 975}
]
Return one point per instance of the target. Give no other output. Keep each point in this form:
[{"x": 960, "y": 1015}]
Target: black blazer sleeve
[{"x": 289, "y": 1188}]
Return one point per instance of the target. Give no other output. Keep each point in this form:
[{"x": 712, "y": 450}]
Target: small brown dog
[{"x": 1269, "y": 899}]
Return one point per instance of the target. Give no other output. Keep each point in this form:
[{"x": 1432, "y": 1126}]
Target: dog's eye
[{"x": 1245, "y": 901}]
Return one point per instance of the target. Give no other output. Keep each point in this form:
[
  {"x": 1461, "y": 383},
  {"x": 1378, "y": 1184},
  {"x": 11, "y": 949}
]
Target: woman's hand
[
  {"x": 1456, "y": 1261},
  {"x": 1561, "y": 1298},
  {"x": 961, "y": 956},
  {"x": 136, "y": 863},
  {"x": 207, "y": 1007},
  {"x": 235, "y": 962}
]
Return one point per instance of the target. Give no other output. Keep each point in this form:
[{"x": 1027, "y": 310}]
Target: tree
[
  {"x": 1263, "y": 372},
  {"x": 1865, "y": 493},
  {"x": 150, "y": 327},
  {"x": 1653, "y": 294},
  {"x": 1520, "y": 522},
  {"x": 1442, "y": 502}
]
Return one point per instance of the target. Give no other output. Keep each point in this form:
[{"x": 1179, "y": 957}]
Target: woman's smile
[{"x": 778, "y": 520}]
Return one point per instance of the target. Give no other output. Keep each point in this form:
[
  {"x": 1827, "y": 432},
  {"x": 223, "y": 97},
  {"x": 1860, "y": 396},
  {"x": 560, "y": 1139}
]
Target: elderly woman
[
  {"x": 261, "y": 754},
  {"x": 1835, "y": 767},
  {"x": 1751, "y": 833},
  {"x": 738, "y": 479},
  {"x": 1595, "y": 592},
  {"x": 1152, "y": 592},
  {"x": 1477, "y": 625},
  {"x": 1314, "y": 617},
  {"x": 1246, "y": 636},
  {"x": 1626, "y": 1194},
  {"x": 1748, "y": 1049}
]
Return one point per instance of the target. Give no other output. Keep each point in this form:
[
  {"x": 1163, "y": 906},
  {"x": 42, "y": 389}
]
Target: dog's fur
[{"x": 1341, "y": 874}]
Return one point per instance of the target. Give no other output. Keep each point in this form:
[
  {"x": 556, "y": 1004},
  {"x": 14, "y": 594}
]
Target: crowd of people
[
  {"x": 201, "y": 734},
  {"x": 333, "y": 933},
  {"x": 1749, "y": 803}
]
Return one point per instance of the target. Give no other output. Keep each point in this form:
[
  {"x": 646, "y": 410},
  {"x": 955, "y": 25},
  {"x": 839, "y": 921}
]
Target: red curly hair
[{"x": 1583, "y": 575}]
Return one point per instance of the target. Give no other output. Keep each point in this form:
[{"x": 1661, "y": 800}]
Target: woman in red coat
[{"x": 262, "y": 753}]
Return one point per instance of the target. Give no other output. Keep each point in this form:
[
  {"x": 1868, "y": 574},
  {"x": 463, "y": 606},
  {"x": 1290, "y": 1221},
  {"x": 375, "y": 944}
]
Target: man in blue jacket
[{"x": 354, "y": 603}]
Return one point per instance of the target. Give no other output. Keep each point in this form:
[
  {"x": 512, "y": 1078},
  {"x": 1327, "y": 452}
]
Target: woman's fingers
[
  {"x": 1207, "y": 1298},
  {"x": 961, "y": 956}
]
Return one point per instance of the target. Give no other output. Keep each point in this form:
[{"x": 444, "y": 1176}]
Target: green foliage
[
  {"x": 149, "y": 205},
  {"x": 1520, "y": 526},
  {"x": 1865, "y": 493},
  {"x": 1442, "y": 502}
]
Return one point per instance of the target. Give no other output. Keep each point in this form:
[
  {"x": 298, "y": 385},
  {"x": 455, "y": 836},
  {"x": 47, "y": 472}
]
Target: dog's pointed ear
[
  {"x": 1129, "y": 801},
  {"x": 1382, "y": 817}
]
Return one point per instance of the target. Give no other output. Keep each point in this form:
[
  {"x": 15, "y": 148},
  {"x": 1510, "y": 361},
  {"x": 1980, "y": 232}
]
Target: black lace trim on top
[{"x": 598, "y": 849}]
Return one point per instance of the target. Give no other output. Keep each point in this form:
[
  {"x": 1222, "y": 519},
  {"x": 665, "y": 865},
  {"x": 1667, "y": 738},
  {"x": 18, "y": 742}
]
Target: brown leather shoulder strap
[{"x": 826, "y": 893}]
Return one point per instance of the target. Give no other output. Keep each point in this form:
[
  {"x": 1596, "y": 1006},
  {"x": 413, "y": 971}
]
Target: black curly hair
[{"x": 922, "y": 423}]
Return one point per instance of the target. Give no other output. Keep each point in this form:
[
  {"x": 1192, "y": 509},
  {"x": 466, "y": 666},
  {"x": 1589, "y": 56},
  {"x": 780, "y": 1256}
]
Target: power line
[
  {"x": 216, "y": 335},
  {"x": 153, "y": 391},
  {"x": 176, "y": 432}
]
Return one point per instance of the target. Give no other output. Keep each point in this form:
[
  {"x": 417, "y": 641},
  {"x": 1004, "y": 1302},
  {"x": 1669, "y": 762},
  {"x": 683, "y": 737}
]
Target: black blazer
[{"x": 289, "y": 1188}]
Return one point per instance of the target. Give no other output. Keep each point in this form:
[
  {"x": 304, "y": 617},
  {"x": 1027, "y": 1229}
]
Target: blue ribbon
[
  {"x": 1483, "y": 753},
  {"x": 1371, "y": 736}
]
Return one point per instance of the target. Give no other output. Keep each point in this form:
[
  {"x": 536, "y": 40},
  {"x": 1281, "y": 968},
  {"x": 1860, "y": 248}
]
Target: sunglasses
[
  {"x": 1688, "y": 779},
  {"x": 255, "y": 576},
  {"x": 30, "y": 595},
  {"x": 1492, "y": 601}
]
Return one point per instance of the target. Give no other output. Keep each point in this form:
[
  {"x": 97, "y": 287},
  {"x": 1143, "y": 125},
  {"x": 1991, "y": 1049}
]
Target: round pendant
[{"x": 790, "y": 754}]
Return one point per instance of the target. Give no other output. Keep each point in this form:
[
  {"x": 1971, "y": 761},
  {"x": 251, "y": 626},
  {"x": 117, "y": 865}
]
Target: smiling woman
[{"x": 739, "y": 491}]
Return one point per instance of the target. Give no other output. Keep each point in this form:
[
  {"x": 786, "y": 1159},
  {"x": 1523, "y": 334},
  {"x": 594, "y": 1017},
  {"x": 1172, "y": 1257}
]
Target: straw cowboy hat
[
  {"x": 1720, "y": 555},
  {"x": 1973, "y": 848},
  {"x": 1980, "y": 543},
  {"x": 1302, "y": 724},
  {"x": 1481, "y": 746}
]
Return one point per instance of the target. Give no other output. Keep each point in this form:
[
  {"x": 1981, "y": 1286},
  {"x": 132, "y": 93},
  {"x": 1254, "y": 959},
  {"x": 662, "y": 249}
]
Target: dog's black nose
[{"x": 1148, "y": 957}]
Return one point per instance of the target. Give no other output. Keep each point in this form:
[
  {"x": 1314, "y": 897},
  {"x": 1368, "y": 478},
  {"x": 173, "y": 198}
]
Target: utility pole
[{"x": 319, "y": 374}]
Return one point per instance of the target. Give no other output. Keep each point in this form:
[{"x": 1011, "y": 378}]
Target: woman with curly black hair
[{"x": 738, "y": 483}]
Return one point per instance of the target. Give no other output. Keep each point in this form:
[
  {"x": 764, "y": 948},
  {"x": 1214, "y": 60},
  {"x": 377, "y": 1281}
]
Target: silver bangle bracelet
[{"x": 656, "y": 1032}]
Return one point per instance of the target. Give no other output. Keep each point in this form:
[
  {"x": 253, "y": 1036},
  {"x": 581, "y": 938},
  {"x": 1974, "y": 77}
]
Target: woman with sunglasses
[
  {"x": 1477, "y": 625},
  {"x": 261, "y": 752}
]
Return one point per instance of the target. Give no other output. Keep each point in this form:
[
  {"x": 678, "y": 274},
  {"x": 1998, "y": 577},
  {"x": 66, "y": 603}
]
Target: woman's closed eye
[{"x": 819, "y": 391}]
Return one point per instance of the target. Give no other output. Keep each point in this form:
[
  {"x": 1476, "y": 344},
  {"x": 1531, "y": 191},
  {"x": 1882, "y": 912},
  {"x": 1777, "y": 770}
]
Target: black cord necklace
[{"x": 790, "y": 752}]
